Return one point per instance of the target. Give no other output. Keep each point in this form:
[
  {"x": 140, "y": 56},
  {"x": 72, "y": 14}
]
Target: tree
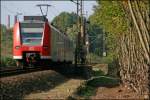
[
  {"x": 6, "y": 41},
  {"x": 95, "y": 38},
  {"x": 127, "y": 26},
  {"x": 110, "y": 17},
  {"x": 65, "y": 20}
]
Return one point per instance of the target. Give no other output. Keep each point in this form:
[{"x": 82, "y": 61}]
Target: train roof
[
  {"x": 39, "y": 20},
  {"x": 56, "y": 29},
  {"x": 53, "y": 27},
  {"x": 35, "y": 18}
]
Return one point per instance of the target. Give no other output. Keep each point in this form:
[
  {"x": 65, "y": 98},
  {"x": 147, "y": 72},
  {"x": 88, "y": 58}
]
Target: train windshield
[
  {"x": 31, "y": 38},
  {"x": 31, "y": 33}
]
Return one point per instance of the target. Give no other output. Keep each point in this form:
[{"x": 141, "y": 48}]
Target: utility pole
[
  {"x": 77, "y": 39},
  {"x": 86, "y": 36},
  {"x": 8, "y": 22},
  {"x": 77, "y": 54},
  {"x": 80, "y": 51},
  {"x": 80, "y": 43}
]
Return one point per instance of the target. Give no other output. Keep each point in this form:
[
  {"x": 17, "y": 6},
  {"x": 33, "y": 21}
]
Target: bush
[
  {"x": 113, "y": 65},
  {"x": 106, "y": 60},
  {"x": 114, "y": 69},
  {"x": 89, "y": 88},
  {"x": 7, "y": 61},
  {"x": 103, "y": 81},
  {"x": 86, "y": 91}
]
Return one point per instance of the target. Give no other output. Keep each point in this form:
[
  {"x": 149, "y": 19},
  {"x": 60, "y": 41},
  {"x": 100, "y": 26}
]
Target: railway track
[
  {"x": 16, "y": 71},
  {"x": 67, "y": 70},
  {"x": 11, "y": 71}
]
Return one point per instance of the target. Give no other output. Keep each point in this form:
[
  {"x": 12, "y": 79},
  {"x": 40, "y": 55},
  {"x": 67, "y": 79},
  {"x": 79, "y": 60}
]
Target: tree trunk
[{"x": 134, "y": 53}]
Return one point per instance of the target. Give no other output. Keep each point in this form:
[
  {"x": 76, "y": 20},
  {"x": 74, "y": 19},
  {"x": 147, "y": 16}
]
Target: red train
[{"x": 35, "y": 41}]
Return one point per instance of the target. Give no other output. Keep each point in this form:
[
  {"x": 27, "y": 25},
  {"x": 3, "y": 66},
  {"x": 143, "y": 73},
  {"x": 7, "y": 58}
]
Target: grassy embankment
[
  {"x": 99, "y": 77},
  {"x": 89, "y": 88}
]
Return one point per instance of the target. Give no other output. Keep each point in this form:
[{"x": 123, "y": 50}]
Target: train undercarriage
[{"x": 33, "y": 59}]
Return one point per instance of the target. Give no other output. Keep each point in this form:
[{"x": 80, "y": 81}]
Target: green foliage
[
  {"x": 65, "y": 20},
  {"x": 5, "y": 33},
  {"x": 72, "y": 32},
  {"x": 109, "y": 16},
  {"x": 6, "y": 41},
  {"x": 96, "y": 38},
  {"x": 6, "y": 47},
  {"x": 89, "y": 88},
  {"x": 103, "y": 81},
  {"x": 7, "y": 61},
  {"x": 94, "y": 58},
  {"x": 106, "y": 60},
  {"x": 67, "y": 23},
  {"x": 86, "y": 91},
  {"x": 113, "y": 68}
]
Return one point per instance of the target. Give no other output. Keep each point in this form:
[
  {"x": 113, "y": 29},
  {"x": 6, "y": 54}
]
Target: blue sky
[{"x": 29, "y": 8}]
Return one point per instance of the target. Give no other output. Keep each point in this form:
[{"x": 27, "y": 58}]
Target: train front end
[{"x": 31, "y": 42}]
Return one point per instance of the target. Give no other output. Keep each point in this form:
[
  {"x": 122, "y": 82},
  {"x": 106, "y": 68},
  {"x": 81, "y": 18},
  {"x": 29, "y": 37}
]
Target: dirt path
[
  {"x": 62, "y": 91},
  {"x": 118, "y": 92}
]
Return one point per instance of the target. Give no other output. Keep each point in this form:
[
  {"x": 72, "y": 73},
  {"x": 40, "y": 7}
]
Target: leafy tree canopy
[
  {"x": 65, "y": 20},
  {"x": 110, "y": 16}
]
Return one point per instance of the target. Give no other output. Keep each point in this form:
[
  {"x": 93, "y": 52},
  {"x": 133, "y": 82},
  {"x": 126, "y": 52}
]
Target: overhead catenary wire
[{"x": 56, "y": 10}]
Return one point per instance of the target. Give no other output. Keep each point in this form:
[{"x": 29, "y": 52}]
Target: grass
[
  {"x": 103, "y": 81},
  {"x": 93, "y": 58},
  {"x": 89, "y": 88},
  {"x": 86, "y": 91}
]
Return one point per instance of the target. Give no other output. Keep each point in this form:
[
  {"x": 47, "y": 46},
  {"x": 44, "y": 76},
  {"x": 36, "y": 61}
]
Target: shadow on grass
[{"x": 19, "y": 86}]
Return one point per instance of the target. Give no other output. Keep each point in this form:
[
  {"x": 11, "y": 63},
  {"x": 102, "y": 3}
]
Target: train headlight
[{"x": 17, "y": 47}]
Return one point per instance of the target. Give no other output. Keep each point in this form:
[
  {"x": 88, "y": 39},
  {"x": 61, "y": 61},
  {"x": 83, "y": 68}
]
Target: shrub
[
  {"x": 7, "y": 61},
  {"x": 86, "y": 91}
]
